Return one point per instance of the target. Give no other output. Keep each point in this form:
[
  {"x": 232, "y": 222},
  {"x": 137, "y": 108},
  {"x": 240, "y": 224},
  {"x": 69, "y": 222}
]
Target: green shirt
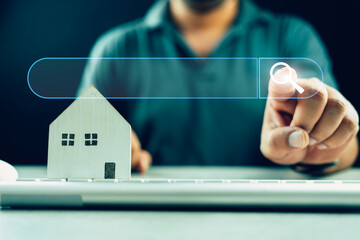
[{"x": 198, "y": 131}]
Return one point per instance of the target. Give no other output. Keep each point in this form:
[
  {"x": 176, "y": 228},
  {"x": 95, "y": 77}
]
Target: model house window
[
  {"x": 67, "y": 139},
  {"x": 91, "y": 139}
]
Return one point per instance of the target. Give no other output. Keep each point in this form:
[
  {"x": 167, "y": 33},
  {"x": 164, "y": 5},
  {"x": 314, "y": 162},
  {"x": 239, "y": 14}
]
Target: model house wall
[{"x": 90, "y": 139}]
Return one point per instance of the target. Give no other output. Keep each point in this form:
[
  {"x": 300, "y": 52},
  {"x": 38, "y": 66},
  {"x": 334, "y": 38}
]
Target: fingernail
[
  {"x": 312, "y": 141},
  {"x": 321, "y": 146},
  {"x": 296, "y": 139}
]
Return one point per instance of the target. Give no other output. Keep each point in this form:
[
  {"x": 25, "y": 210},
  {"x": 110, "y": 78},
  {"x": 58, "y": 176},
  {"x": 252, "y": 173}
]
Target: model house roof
[
  {"x": 90, "y": 139},
  {"x": 91, "y": 94}
]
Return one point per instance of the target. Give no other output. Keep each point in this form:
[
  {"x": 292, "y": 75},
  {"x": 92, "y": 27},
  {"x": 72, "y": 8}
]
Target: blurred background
[{"x": 30, "y": 30}]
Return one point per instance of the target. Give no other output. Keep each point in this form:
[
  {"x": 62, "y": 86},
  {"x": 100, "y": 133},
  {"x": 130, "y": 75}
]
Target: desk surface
[{"x": 150, "y": 224}]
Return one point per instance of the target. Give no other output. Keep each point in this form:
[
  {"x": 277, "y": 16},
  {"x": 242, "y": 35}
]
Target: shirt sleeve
[{"x": 301, "y": 40}]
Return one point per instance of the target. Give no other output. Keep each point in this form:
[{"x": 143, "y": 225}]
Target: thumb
[{"x": 283, "y": 140}]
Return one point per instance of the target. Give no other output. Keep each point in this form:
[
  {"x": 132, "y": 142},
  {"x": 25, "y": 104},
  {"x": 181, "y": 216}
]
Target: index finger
[
  {"x": 279, "y": 95},
  {"x": 284, "y": 90}
]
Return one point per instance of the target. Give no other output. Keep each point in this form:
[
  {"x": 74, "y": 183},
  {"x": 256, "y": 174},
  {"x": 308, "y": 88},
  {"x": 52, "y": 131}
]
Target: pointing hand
[{"x": 317, "y": 130}]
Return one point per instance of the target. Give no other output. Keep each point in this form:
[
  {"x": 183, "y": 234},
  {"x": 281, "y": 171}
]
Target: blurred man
[{"x": 314, "y": 134}]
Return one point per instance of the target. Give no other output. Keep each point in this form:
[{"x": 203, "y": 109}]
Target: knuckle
[
  {"x": 349, "y": 124},
  {"x": 347, "y": 128},
  {"x": 337, "y": 106},
  {"x": 320, "y": 93},
  {"x": 356, "y": 117},
  {"x": 315, "y": 87}
]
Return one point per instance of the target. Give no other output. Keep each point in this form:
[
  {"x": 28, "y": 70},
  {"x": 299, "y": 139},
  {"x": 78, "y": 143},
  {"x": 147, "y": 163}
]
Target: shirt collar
[
  {"x": 158, "y": 15},
  {"x": 249, "y": 13}
]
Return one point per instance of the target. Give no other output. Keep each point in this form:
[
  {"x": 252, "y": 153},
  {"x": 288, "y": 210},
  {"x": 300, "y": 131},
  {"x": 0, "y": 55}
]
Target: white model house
[{"x": 90, "y": 139}]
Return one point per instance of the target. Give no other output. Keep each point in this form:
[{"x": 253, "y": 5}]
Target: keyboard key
[
  {"x": 323, "y": 181},
  {"x": 242, "y": 181},
  {"x": 25, "y": 179},
  {"x": 53, "y": 180},
  {"x": 351, "y": 181},
  {"x": 161, "y": 181},
  {"x": 268, "y": 181},
  {"x": 79, "y": 180},
  {"x": 134, "y": 180},
  {"x": 295, "y": 181},
  {"x": 184, "y": 180},
  {"x": 106, "y": 180},
  {"x": 215, "y": 181}
]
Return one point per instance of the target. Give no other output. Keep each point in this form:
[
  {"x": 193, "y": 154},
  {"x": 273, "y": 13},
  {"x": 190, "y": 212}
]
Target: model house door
[{"x": 109, "y": 172}]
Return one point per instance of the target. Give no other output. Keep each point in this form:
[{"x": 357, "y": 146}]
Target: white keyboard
[
  {"x": 195, "y": 181},
  {"x": 44, "y": 192}
]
